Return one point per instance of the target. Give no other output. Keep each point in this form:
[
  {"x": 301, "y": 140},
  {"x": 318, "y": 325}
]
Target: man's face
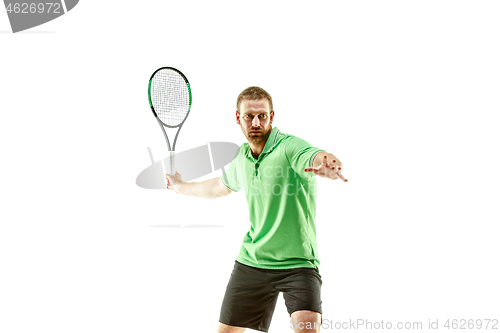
[{"x": 255, "y": 119}]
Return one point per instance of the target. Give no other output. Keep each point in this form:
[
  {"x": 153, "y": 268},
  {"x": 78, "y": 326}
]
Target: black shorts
[{"x": 251, "y": 294}]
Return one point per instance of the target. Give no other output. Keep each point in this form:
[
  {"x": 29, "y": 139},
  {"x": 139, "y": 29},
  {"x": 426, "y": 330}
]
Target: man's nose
[{"x": 255, "y": 121}]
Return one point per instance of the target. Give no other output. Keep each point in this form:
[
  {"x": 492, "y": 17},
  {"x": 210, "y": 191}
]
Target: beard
[{"x": 257, "y": 136}]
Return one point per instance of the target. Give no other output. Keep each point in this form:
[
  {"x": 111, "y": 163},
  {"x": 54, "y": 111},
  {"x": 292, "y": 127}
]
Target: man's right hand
[
  {"x": 173, "y": 180},
  {"x": 208, "y": 189}
]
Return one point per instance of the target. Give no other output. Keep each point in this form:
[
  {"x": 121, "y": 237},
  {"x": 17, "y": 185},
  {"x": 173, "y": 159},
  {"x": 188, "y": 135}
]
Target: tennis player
[{"x": 277, "y": 172}]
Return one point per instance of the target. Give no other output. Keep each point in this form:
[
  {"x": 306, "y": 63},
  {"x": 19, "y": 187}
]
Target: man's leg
[
  {"x": 249, "y": 300},
  {"x": 223, "y": 328},
  {"x": 305, "y": 321},
  {"x": 301, "y": 289}
]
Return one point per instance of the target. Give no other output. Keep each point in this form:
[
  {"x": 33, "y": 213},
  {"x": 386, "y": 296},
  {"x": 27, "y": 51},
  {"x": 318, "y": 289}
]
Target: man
[{"x": 279, "y": 253}]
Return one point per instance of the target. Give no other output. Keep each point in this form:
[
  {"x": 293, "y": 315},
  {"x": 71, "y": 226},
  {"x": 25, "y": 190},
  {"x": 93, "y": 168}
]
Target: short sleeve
[
  {"x": 230, "y": 175},
  {"x": 300, "y": 154}
]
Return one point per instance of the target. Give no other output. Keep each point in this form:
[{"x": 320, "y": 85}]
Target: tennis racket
[{"x": 170, "y": 99}]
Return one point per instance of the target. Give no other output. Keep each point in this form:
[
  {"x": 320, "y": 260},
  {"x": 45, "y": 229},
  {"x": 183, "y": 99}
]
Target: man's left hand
[{"x": 327, "y": 170}]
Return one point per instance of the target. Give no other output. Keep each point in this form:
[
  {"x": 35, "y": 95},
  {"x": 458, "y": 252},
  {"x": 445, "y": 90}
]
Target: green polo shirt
[{"x": 281, "y": 201}]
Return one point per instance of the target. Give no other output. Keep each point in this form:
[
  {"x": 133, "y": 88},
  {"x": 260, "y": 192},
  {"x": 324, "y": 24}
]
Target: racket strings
[{"x": 170, "y": 97}]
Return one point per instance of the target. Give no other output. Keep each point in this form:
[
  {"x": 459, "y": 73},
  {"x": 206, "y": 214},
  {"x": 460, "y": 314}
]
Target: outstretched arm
[
  {"x": 208, "y": 189},
  {"x": 326, "y": 165}
]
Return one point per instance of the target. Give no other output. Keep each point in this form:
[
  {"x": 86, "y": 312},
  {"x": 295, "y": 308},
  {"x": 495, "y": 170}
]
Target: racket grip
[{"x": 172, "y": 163}]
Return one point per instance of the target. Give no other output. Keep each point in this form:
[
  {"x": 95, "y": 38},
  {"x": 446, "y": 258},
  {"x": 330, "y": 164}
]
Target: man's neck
[{"x": 255, "y": 153}]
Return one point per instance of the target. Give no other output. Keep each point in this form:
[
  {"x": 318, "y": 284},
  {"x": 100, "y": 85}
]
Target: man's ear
[
  {"x": 271, "y": 117},
  {"x": 238, "y": 117}
]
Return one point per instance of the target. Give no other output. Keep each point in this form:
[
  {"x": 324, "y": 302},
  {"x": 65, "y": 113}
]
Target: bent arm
[{"x": 208, "y": 189}]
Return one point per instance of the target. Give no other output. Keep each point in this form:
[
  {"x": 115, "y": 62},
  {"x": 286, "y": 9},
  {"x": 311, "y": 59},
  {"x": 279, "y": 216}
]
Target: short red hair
[{"x": 254, "y": 93}]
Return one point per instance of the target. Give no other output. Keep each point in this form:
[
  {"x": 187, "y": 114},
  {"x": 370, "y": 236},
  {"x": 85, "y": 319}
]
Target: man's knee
[
  {"x": 306, "y": 321},
  {"x": 223, "y": 328}
]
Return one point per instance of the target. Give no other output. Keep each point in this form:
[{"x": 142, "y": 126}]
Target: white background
[{"x": 405, "y": 93}]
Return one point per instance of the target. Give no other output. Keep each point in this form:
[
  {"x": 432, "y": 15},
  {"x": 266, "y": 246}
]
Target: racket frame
[{"x": 171, "y": 149}]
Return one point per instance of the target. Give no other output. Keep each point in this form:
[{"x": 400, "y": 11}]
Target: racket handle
[{"x": 172, "y": 163}]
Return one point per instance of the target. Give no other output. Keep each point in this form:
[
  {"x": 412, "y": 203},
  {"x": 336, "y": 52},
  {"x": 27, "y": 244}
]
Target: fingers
[
  {"x": 320, "y": 169},
  {"x": 341, "y": 176},
  {"x": 325, "y": 162},
  {"x": 329, "y": 170},
  {"x": 173, "y": 180},
  {"x": 313, "y": 170},
  {"x": 333, "y": 173},
  {"x": 167, "y": 177},
  {"x": 337, "y": 171},
  {"x": 332, "y": 166}
]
